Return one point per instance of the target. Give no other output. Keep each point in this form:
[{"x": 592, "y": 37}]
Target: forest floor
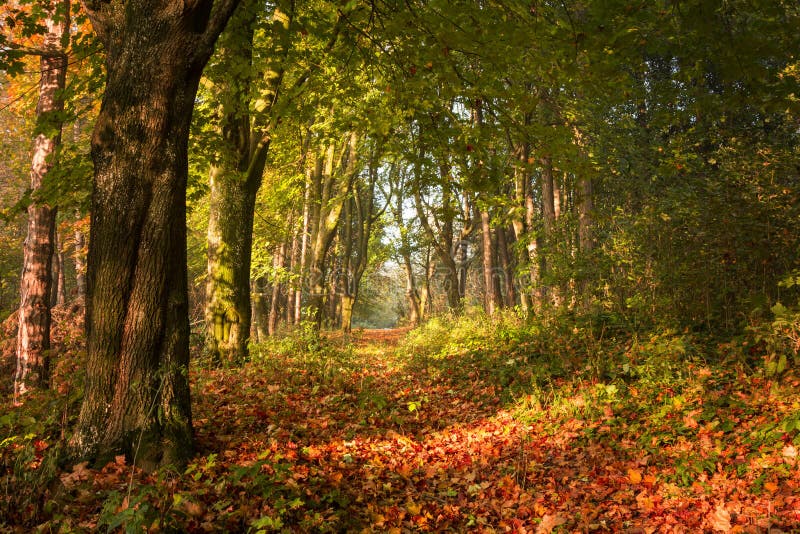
[{"x": 369, "y": 434}]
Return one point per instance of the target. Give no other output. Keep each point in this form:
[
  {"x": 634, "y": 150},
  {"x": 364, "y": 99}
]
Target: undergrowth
[{"x": 334, "y": 433}]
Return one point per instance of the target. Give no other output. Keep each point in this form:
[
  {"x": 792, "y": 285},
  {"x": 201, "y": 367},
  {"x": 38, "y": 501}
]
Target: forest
[{"x": 400, "y": 266}]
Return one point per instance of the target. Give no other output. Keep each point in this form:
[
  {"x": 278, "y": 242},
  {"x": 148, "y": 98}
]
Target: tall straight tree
[
  {"x": 236, "y": 176},
  {"x": 33, "y": 338},
  {"x": 136, "y": 396}
]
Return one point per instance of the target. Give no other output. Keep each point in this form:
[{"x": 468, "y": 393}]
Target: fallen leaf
[
  {"x": 635, "y": 476},
  {"x": 549, "y": 522},
  {"x": 720, "y": 519}
]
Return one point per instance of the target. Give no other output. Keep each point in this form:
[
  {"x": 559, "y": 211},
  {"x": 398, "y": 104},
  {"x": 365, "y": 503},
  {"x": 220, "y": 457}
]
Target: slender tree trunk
[
  {"x": 260, "y": 312},
  {"x": 333, "y": 292},
  {"x": 414, "y": 306},
  {"x": 80, "y": 264},
  {"x": 33, "y": 337},
  {"x": 510, "y": 293},
  {"x": 520, "y": 226},
  {"x": 61, "y": 287},
  {"x": 136, "y": 398},
  {"x": 277, "y": 265},
  {"x": 549, "y": 219},
  {"x": 303, "y": 261},
  {"x": 585, "y": 238},
  {"x": 490, "y": 299},
  {"x": 346, "y": 274},
  {"x": 293, "y": 267},
  {"x": 56, "y": 271},
  {"x": 332, "y": 188}
]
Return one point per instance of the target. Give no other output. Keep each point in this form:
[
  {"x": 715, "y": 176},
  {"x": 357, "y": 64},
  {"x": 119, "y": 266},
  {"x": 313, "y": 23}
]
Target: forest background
[{"x": 602, "y": 177}]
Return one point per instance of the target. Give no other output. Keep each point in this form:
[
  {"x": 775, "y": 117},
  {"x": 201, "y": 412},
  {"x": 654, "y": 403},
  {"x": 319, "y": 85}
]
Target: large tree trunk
[
  {"x": 33, "y": 338},
  {"x": 234, "y": 186},
  {"x": 136, "y": 396}
]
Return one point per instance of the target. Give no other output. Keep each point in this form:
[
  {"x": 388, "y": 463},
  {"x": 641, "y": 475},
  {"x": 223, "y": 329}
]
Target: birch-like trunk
[{"x": 33, "y": 337}]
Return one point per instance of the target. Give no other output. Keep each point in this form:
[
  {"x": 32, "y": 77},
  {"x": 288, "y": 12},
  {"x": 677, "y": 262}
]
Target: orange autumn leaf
[
  {"x": 549, "y": 522},
  {"x": 635, "y": 476}
]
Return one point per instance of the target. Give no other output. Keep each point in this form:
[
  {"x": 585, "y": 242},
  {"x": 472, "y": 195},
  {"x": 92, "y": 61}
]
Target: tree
[
  {"x": 33, "y": 338},
  {"x": 136, "y": 397},
  {"x": 237, "y": 173}
]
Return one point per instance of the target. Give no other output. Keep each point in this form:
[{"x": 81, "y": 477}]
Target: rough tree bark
[
  {"x": 33, "y": 337},
  {"x": 136, "y": 398},
  {"x": 236, "y": 179}
]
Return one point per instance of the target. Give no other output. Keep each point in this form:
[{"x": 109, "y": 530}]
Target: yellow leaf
[
  {"x": 635, "y": 476},
  {"x": 771, "y": 487},
  {"x": 413, "y": 508}
]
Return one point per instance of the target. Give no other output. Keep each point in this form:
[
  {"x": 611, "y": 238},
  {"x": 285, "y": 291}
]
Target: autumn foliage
[{"x": 456, "y": 426}]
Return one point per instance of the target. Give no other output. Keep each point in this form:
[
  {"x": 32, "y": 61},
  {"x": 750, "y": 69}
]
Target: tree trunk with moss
[
  {"x": 235, "y": 180},
  {"x": 136, "y": 398}
]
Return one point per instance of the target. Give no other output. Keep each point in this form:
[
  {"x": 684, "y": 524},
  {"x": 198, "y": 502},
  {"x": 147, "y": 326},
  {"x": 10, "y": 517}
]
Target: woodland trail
[
  {"x": 373, "y": 437},
  {"x": 374, "y": 434}
]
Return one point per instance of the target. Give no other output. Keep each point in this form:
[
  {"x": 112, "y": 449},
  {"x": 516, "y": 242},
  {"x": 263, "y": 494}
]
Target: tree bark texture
[
  {"x": 235, "y": 181},
  {"x": 33, "y": 337},
  {"x": 136, "y": 398}
]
